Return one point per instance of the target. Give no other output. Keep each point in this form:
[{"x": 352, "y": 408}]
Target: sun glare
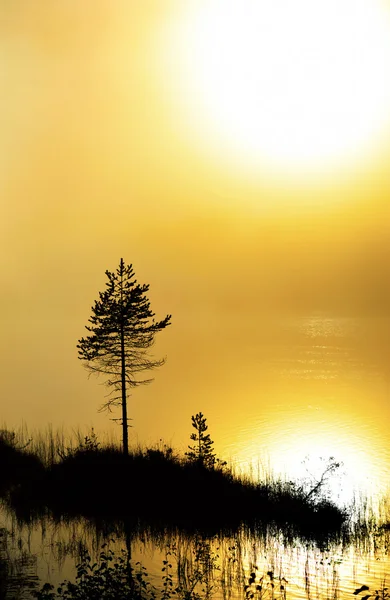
[
  {"x": 300, "y": 443},
  {"x": 295, "y": 89},
  {"x": 303, "y": 459}
]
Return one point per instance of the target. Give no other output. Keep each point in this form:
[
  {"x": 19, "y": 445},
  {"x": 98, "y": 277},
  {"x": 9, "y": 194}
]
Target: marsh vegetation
[
  {"x": 155, "y": 486},
  {"x": 210, "y": 527}
]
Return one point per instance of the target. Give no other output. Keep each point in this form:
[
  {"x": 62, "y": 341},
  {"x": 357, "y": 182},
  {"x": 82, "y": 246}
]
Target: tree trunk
[
  {"x": 123, "y": 375},
  {"x": 124, "y": 398}
]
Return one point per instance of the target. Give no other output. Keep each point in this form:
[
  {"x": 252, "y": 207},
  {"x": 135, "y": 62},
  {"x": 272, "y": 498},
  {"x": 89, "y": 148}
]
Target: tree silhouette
[
  {"x": 202, "y": 452},
  {"x": 121, "y": 332}
]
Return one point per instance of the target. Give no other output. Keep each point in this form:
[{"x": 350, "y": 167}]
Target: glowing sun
[{"x": 295, "y": 88}]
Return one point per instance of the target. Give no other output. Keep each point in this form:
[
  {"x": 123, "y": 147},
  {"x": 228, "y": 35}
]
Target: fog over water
[
  {"x": 279, "y": 297},
  {"x": 278, "y": 286}
]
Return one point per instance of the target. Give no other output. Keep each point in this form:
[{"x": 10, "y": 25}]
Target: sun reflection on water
[
  {"x": 327, "y": 399},
  {"x": 302, "y": 451}
]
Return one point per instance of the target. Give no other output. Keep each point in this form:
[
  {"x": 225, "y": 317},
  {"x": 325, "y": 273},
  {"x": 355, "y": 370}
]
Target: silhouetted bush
[
  {"x": 160, "y": 489},
  {"x": 155, "y": 487},
  {"x": 18, "y": 467}
]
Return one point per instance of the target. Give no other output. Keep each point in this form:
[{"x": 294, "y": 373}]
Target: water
[
  {"x": 303, "y": 568},
  {"x": 323, "y": 391}
]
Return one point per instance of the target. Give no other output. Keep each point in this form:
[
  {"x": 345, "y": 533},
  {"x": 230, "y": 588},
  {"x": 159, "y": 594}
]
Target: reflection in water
[
  {"x": 18, "y": 568},
  {"x": 324, "y": 387},
  {"x": 323, "y": 390},
  {"x": 222, "y": 565}
]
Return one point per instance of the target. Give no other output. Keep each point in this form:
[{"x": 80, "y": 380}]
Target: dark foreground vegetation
[
  {"x": 153, "y": 487},
  {"x": 196, "y": 507},
  {"x": 114, "y": 578}
]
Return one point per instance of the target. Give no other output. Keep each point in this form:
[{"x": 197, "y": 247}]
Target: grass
[
  {"x": 198, "y": 576},
  {"x": 157, "y": 488},
  {"x": 154, "y": 487}
]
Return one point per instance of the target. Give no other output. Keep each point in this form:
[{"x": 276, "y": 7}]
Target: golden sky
[{"x": 108, "y": 151}]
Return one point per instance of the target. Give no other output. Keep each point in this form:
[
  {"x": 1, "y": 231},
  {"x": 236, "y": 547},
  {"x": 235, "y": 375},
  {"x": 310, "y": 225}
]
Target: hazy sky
[{"x": 101, "y": 159}]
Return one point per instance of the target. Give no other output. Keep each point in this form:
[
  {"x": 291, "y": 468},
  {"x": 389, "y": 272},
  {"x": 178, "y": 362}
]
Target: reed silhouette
[
  {"x": 192, "y": 571},
  {"x": 156, "y": 487},
  {"x": 17, "y": 574}
]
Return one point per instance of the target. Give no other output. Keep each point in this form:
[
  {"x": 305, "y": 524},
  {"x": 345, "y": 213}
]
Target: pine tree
[
  {"x": 121, "y": 332},
  {"x": 202, "y": 452}
]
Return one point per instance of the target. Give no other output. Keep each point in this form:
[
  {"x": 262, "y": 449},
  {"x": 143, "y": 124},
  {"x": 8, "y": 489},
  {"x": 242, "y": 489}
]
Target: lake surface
[
  {"x": 305, "y": 569},
  {"x": 323, "y": 391}
]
